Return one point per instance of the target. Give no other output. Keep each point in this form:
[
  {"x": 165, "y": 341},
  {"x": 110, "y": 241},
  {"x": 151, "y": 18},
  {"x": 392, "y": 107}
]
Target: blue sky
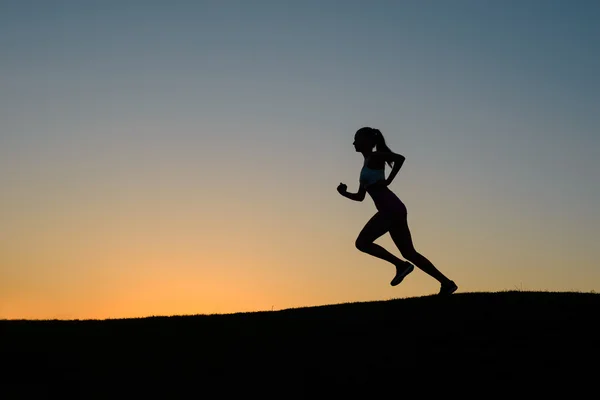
[{"x": 247, "y": 110}]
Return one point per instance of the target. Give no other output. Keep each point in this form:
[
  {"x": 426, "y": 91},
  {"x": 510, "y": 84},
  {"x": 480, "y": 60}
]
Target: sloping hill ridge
[{"x": 507, "y": 340}]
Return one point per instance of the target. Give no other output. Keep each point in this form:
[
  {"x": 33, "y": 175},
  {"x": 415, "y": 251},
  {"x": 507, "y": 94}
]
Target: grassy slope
[{"x": 499, "y": 340}]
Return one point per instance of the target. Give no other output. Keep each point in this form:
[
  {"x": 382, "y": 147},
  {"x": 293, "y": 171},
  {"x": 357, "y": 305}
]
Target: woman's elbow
[{"x": 361, "y": 194}]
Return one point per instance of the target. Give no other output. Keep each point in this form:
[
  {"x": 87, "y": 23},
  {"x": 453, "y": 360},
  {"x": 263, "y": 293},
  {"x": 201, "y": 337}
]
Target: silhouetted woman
[{"x": 391, "y": 213}]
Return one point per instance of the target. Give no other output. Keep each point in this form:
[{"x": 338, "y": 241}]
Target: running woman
[{"x": 391, "y": 213}]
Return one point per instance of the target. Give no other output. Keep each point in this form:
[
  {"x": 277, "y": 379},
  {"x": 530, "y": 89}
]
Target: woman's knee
[
  {"x": 361, "y": 243},
  {"x": 410, "y": 254}
]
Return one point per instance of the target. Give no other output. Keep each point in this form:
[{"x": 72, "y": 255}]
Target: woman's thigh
[
  {"x": 377, "y": 226},
  {"x": 400, "y": 233}
]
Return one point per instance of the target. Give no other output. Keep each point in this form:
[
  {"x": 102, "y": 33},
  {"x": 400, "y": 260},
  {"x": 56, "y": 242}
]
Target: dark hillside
[{"x": 511, "y": 341}]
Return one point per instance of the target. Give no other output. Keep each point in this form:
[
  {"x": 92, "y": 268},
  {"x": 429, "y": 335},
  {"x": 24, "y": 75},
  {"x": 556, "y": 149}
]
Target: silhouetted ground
[{"x": 485, "y": 343}]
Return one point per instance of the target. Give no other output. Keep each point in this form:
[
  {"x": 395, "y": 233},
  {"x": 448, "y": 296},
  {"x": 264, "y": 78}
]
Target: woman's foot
[
  {"x": 448, "y": 288},
  {"x": 401, "y": 271}
]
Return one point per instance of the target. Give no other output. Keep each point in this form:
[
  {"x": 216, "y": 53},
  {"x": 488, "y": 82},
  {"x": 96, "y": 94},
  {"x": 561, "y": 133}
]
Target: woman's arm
[
  {"x": 397, "y": 159},
  {"x": 358, "y": 196}
]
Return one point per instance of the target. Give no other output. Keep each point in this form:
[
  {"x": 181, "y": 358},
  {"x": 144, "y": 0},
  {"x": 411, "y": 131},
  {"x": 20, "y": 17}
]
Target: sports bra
[{"x": 369, "y": 176}]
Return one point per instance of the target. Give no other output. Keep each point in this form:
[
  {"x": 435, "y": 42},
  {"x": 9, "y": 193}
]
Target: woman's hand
[{"x": 342, "y": 188}]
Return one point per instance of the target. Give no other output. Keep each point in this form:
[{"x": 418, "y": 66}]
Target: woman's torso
[{"x": 371, "y": 176}]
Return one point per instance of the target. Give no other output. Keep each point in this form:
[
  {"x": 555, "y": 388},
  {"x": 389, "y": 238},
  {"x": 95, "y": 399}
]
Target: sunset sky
[{"x": 182, "y": 157}]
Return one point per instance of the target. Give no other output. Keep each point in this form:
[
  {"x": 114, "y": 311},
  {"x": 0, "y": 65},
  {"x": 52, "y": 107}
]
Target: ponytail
[
  {"x": 377, "y": 137},
  {"x": 380, "y": 144}
]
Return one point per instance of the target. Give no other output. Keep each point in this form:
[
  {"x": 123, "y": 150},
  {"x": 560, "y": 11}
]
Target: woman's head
[{"x": 366, "y": 139}]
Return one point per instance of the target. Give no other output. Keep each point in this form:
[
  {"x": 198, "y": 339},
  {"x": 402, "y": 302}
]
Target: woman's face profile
[{"x": 361, "y": 142}]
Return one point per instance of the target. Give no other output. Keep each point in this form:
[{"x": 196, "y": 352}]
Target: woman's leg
[
  {"x": 401, "y": 236},
  {"x": 378, "y": 225}
]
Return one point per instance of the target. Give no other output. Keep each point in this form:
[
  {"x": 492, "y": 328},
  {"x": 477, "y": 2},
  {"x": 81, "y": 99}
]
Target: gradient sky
[{"x": 182, "y": 157}]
